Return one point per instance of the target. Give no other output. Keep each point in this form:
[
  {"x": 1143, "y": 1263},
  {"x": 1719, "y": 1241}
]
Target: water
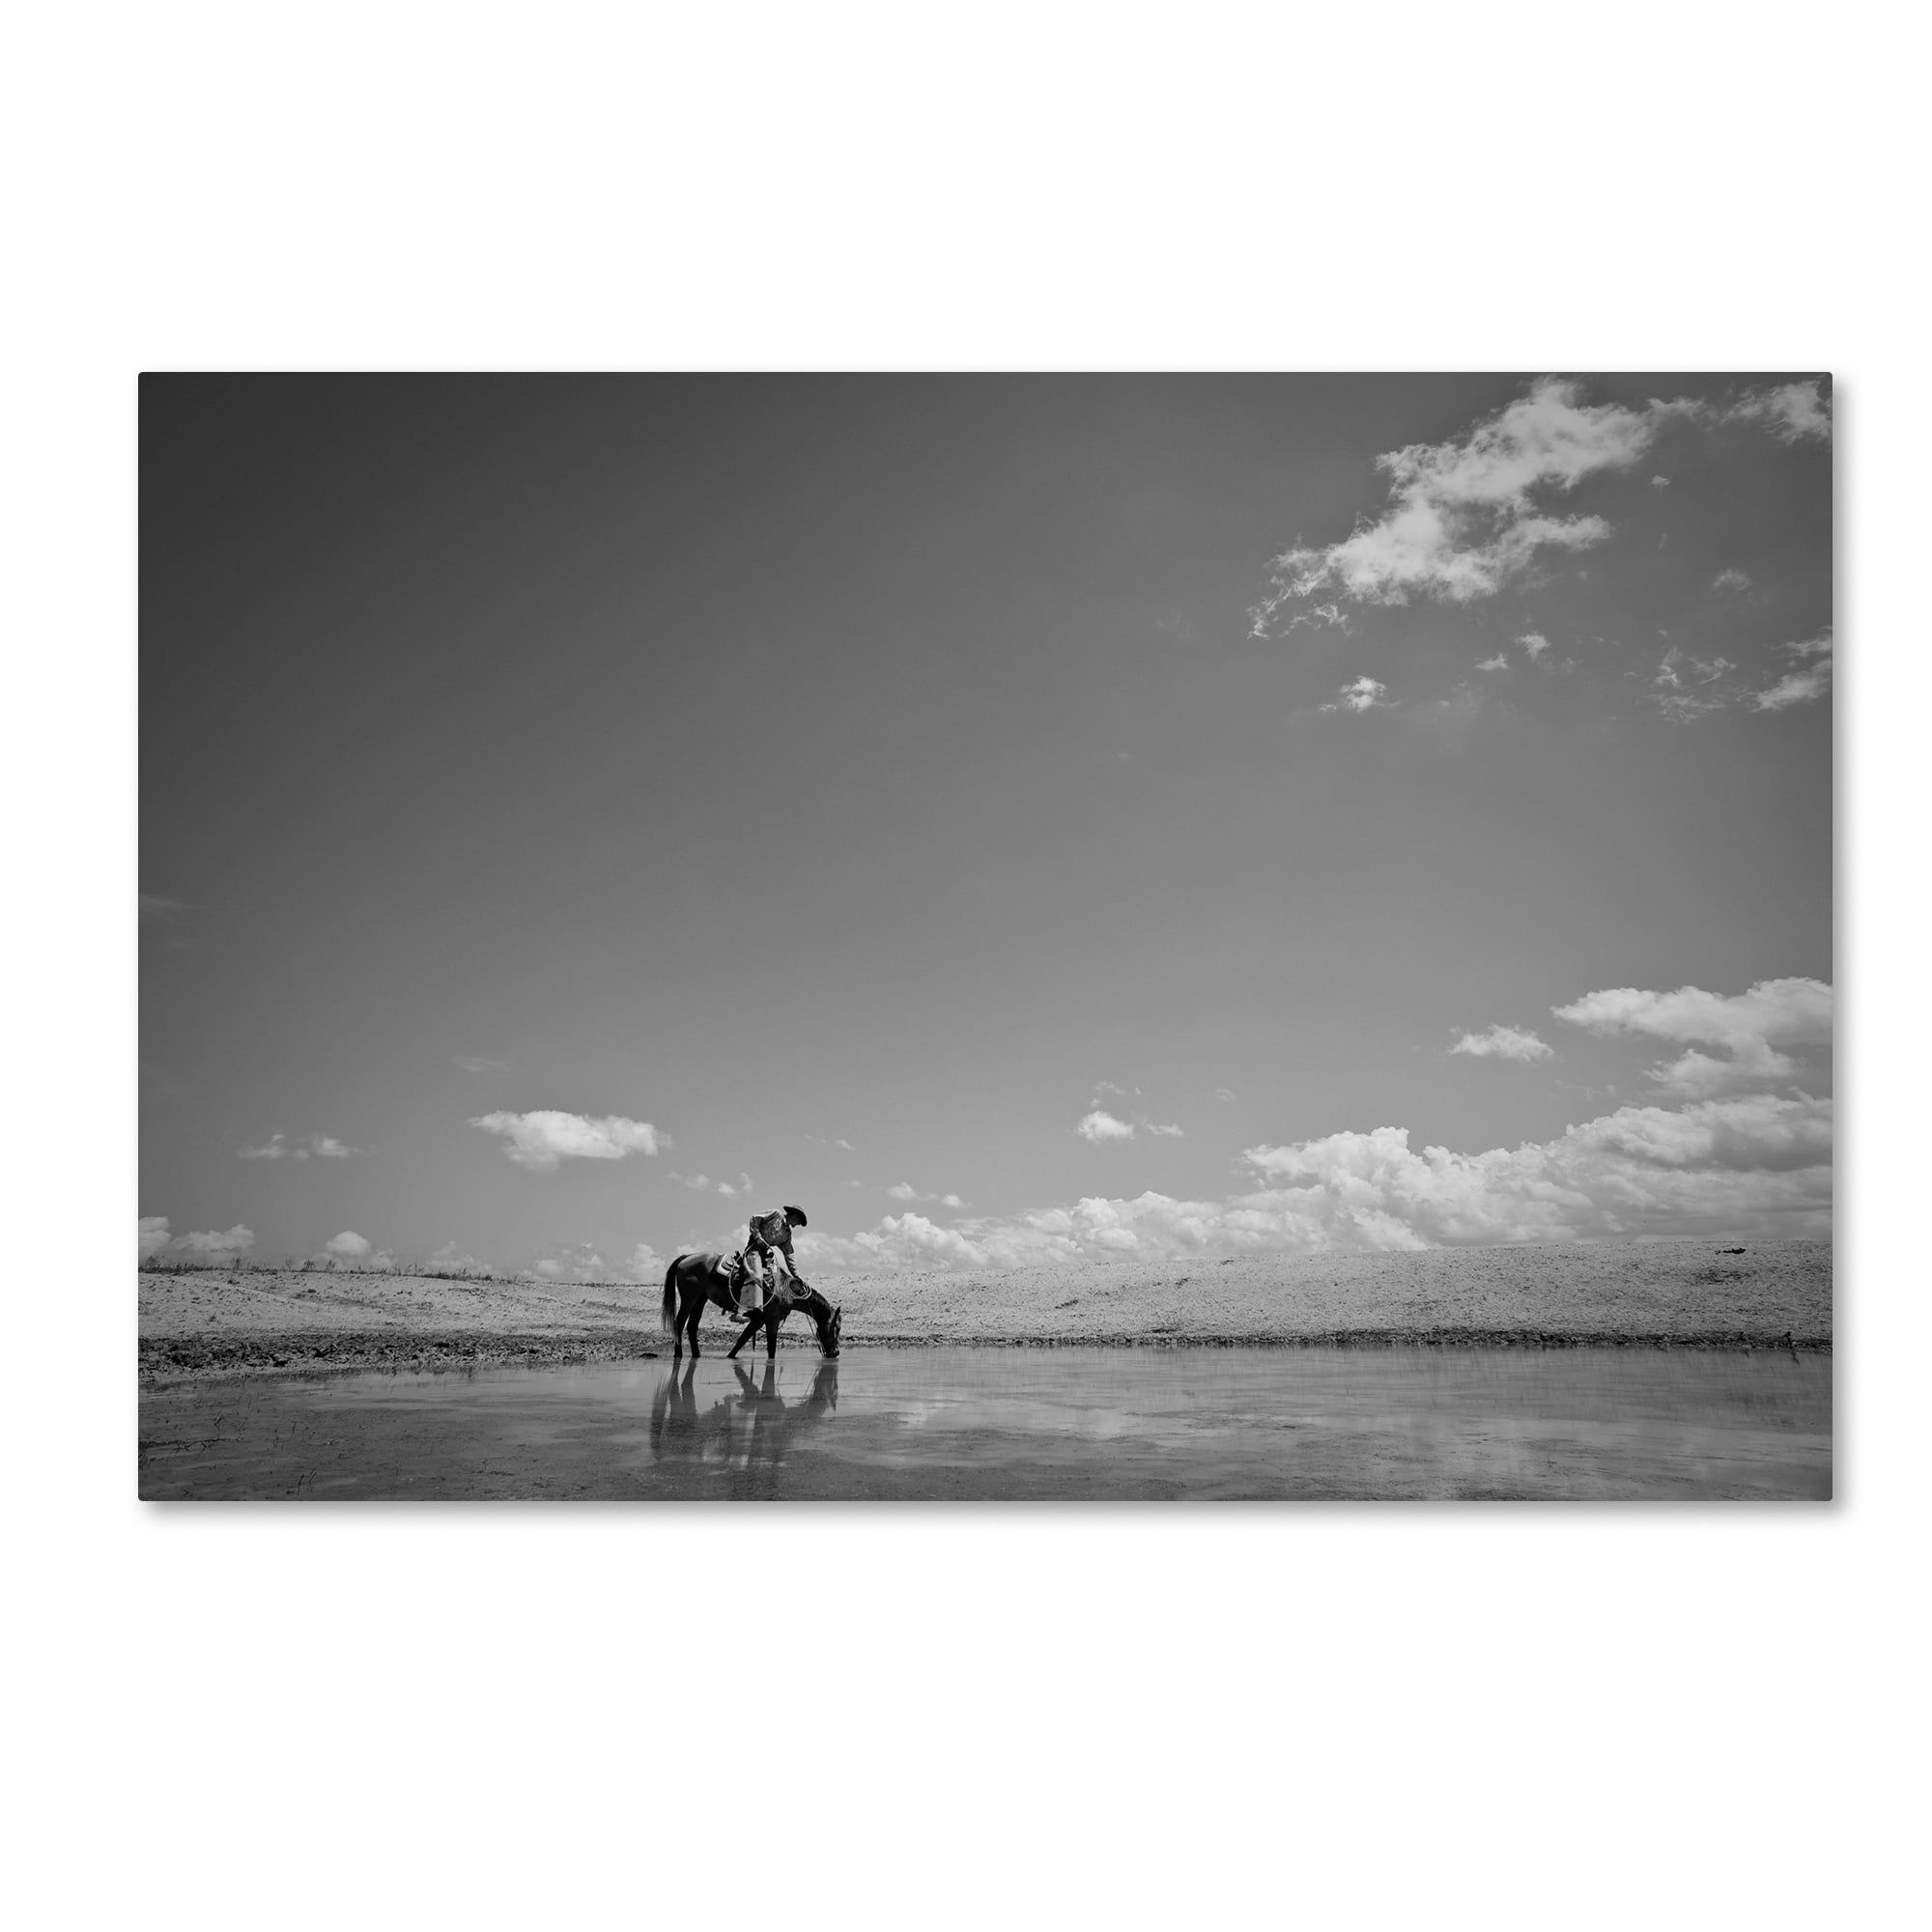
[{"x": 1071, "y": 1423}]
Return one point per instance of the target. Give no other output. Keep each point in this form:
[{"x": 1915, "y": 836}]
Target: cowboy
[{"x": 771, "y": 1235}]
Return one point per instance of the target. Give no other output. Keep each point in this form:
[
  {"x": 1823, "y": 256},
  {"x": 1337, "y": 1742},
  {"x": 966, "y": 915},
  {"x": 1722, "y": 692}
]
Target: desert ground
[{"x": 225, "y": 1322}]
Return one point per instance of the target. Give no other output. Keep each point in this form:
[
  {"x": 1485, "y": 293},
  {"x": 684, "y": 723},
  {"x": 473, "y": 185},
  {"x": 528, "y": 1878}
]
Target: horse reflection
[{"x": 749, "y": 1432}]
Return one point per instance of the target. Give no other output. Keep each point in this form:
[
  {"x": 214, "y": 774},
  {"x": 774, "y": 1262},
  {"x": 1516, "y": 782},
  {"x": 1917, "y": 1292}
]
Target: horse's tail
[{"x": 670, "y": 1310}]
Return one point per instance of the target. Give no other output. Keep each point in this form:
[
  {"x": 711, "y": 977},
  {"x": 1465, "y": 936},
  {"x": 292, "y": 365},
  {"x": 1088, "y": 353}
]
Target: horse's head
[{"x": 828, "y": 1325}]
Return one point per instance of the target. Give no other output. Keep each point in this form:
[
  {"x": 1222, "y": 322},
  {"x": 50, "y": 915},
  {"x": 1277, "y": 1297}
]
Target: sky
[{"x": 1014, "y": 818}]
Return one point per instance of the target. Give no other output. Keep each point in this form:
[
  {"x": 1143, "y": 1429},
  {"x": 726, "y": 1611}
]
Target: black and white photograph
[
  {"x": 1002, "y": 928},
  {"x": 924, "y": 937}
]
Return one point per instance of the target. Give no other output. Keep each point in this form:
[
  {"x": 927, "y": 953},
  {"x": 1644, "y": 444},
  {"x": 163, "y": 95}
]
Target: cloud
[
  {"x": 846, "y": 1145},
  {"x": 905, "y": 1191},
  {"x": 1502, "y": 1043},
  {"x": 898, "y": 1240},
  {"x": 1786, "y": 1012},
  {"x": 704, "y": 1184},
  {"x": 1224, "y": 1094},
  {"x": 1169, "y": 1131},
  {"x": 278, "y": 1146},
  {"x": 346, "y": 1246},
  {"x": 1699, "y": 1076},
  {"x": 1364, "y": 695},
  {"x": 1805, "y": 685},
  {"x": 540, "y": 1140},
  {"x": 1101, "y": 1126},
  {"x": 1793, "y": 411},
  {"x": 1732, "y": 580},
  {"x": 1798, "y": 687},
  {"x": 582, "y": 1265},
  {"x": 1757, "y": 1162},
  {"x": 1534, "y": 643},
  {"x": 1757, "y": 1165},
  {"x": 451, "y": 1260},
  {"x": 1331, "y": 614},
  {"x": 224, "y": 1246},
  {"x": 155, "y": 910},
  {"x": 1686, "y": 688},
  {"x": 1462, "y": 517},
  {"x": 1469, "y": 516},
  {"x": 475, "y": 1063},
  {"x": 1750, "y": 1027},
  {"x": 1660, "y": 482},
  {"x": 1496, "y": 663}
]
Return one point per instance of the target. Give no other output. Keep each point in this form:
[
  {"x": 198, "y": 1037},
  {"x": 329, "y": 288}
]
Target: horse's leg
[
  {"x": 746, "y": 1333},
  {"x": 772, "y": 1336},
  {"x": 678, "y": 1331},
  {"x": 697, "y": 1315}
]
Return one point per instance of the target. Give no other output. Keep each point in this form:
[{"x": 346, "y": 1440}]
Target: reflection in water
[
  {"x": 750, "y": 1431},
  {"x": 1072, "y": 1423}
]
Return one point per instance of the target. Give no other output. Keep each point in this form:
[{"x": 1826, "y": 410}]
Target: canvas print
[{"x": 986, "y": 937}]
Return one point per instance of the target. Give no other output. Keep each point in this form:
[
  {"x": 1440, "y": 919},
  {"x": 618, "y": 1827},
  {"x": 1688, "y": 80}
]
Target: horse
[
  {"x": 692, "y": 1282},
  {"x": 787, "y": 1293}
]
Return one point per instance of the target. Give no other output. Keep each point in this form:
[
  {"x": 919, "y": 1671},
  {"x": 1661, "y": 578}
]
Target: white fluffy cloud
[
  {"x": 225, "y": 1246},
  {"x": 704, "y": 1184},
  {"x": 452, "y": 1259},
  {"x": 217, "y": 1246},
  {"x": 1496, "y": 663},
  {"x": 1756, "y": 1164},
  {"x": 346, "y": 1246},
  {"x": 1750, "y": 1027},
  {"x": 1793, "y": 411},
  {"x": 1467, "y": 516},
  {"x": 1101, "y": 1126},
  {"x": 541, "y": 1139},
  {"x": 1805, "y": 685},
  {"x": 584, "y": 1265},
  {"x": 897, "y": 1239},
  {"x": 1757, "y": 1161},
  {"x": 1462, "y": 517},
  {"x": 1786, "y": 1012},
  {"x": 1363, "y": 695},
  {"x": 1502, "y": 1043}
]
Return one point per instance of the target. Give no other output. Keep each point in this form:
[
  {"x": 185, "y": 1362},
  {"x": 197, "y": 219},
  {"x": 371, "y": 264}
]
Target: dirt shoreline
[{"x": 1704, "y": 1293}]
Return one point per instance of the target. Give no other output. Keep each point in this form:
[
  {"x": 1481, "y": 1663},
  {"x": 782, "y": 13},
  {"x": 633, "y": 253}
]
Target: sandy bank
[{"x": 263, "y": 1320}]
